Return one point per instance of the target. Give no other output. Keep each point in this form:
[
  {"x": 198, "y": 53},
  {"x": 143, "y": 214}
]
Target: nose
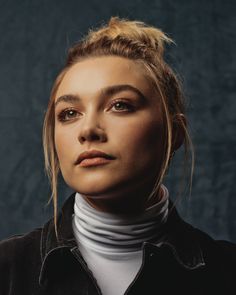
[{"x": 90, "y": 130}]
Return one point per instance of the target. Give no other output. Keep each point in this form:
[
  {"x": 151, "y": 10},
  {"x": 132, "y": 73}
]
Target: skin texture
[{"x": 103, "y": 122}]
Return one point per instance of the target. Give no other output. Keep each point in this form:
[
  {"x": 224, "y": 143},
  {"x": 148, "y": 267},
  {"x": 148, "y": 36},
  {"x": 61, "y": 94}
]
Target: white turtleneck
[{"x": 111, "y": 244}]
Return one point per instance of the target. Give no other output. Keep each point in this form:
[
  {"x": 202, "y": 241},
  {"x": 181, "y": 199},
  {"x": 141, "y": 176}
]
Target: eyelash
[{"x": 62, "y": 115}]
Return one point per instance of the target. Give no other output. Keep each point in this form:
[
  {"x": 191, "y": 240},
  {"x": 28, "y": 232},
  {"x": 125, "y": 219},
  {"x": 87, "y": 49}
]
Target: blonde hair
[{"x": 137, "y": 41}]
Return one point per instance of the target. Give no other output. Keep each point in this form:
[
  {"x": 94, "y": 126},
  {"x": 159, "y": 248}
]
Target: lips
[{"x": 93, "y": 154}]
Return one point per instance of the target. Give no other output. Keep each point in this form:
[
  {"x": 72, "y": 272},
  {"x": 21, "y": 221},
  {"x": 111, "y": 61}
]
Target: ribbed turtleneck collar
[{"x": 115, "y": 233}]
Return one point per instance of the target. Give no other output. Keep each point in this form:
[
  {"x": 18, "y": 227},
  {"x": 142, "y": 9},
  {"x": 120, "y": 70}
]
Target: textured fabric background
[{"x": 34, "y": 38}]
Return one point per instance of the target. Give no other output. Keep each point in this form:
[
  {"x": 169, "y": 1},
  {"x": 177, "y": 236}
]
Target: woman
[{"x": 114, "y": 120}]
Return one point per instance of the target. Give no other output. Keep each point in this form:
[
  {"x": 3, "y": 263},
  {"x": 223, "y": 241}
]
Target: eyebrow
[{"x": 107, "y": 91}]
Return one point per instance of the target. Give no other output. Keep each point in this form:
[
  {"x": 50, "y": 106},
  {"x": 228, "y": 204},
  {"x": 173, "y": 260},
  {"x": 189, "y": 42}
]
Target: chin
[
  {"x": 102, "y": 184},
  {"x": 95, "y": 187}
]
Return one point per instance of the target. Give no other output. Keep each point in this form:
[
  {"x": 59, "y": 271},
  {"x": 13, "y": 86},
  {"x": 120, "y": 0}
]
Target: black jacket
[{"x": 187, "y": 262}]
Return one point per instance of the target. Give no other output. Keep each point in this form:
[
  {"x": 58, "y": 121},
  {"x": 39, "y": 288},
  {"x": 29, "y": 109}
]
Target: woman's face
[{"x": 107, "y": 104}]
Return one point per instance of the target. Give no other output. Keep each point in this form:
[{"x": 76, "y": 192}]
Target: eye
[
  {"x": 121, "y": 106},
  {"x": 67, "y": 115}
]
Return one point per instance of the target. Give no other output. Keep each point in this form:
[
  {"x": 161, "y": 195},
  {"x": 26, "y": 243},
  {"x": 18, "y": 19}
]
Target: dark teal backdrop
[{"x": 34, "y": 38}]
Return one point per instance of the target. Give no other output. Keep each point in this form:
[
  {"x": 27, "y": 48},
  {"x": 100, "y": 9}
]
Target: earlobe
[{"x": 178, "y": 131}]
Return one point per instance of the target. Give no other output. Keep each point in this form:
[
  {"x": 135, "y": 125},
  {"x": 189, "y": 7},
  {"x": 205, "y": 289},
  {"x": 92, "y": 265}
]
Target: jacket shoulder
[
  {"x": 15, "y": 246},
  {"x": 19, "y": 254},
  {"x": 216, "y": 252},
  {"x": 227, "y": 250}
]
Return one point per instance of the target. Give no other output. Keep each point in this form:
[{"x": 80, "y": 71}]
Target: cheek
[
  {"x": 142, "y": 141},
  {"x": 63, "y": 143}
]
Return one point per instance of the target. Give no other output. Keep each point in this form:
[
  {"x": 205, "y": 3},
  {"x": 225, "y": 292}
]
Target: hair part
[{"x": 137, "y": 41}]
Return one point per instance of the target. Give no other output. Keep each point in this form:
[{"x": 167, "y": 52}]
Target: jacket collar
[{"x": 177, "y": 235}]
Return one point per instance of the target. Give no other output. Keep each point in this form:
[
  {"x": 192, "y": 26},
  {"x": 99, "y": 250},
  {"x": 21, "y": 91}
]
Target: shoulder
[
  {"x": 225, "y": 247},
  {"x": 20, "y": 260},
  {"x": 15, "y": 247},
  {"x": 220, "y": 253}
]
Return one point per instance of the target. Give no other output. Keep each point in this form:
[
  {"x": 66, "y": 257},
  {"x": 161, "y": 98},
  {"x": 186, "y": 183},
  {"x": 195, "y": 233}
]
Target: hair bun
[{"x": 151, "y": 37}]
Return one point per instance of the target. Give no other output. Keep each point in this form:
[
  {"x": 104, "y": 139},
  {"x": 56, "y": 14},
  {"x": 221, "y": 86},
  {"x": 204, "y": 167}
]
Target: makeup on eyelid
[{"x": 130, "y": 106}]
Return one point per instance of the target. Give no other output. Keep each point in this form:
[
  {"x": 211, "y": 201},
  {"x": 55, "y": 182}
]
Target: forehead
[{"x": 92, "y": 74}]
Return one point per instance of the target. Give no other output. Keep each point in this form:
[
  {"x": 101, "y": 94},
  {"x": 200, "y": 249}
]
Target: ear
[{"x": 178, "y": 131}]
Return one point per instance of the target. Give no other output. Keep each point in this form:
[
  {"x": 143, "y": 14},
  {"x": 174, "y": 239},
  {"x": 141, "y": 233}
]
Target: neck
[{"x": 127, "y": 202}]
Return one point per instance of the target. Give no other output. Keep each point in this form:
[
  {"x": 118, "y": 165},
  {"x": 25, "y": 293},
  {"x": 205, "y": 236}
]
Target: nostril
[{"x": 92, "y": 136}]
